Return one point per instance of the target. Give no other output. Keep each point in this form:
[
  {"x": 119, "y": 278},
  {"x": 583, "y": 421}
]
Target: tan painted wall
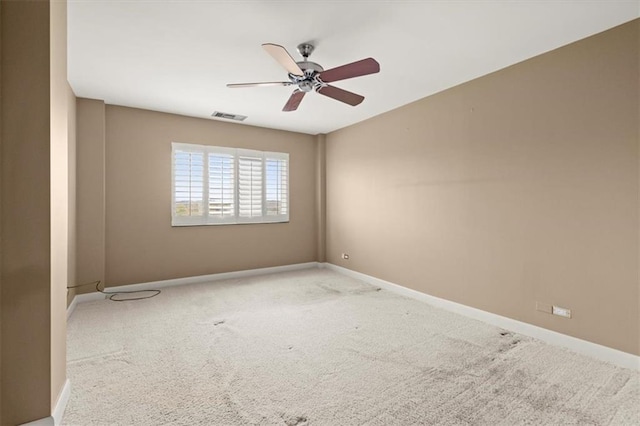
[
  {"x": 142, "y": 246},
  {"x": 34, "y": 209},
  {"x": 90, "y": 193},
  {"x": 1, "y": 174},
  {"x": 72, "y": 154},
  {"x": 517, "y": 187},
  {"x": 60, "y": 168},
  {"x": 25, "y": 206},
  {"x": 321, "y": 195}
]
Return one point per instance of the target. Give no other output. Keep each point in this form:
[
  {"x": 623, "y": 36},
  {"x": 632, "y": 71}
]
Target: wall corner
[{"x": 321, "y": 197}]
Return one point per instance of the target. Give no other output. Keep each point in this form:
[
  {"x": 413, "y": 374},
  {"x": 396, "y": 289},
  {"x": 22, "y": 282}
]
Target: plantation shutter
[
  {"x": 221, "y": 185},
  {"x": 250, "y": 183},
  {"x": 213, "y": 185},
  {"x": 277, "y": 184},
  {"x": 188, "y": 188}
]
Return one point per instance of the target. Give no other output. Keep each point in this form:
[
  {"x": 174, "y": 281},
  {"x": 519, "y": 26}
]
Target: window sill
[{"x": 266, "y": 222}]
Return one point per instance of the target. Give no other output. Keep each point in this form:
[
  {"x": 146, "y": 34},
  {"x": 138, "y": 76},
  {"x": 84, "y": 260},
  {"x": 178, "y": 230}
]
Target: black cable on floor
[{"x": 112, "y": 295}]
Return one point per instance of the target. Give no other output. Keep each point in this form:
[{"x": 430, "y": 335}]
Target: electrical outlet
[
  {"x": 345, "y": 256},
  {"x": 561, "y": 312}
]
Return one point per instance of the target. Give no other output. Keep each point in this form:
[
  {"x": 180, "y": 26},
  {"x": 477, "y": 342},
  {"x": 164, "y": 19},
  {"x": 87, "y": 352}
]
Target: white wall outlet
[
  {"x": 561, "y": 312},
  {"x": 345, "y": 256}
]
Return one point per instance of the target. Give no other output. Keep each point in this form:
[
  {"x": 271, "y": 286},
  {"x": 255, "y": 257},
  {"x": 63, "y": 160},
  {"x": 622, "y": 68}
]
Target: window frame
[{"x": 236, "y": 219}]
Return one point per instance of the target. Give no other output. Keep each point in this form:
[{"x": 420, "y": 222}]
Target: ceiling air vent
[{"x": 228, "y": 116}]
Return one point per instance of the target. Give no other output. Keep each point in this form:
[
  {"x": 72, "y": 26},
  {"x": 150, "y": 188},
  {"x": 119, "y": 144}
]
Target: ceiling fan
[{"x": 308, "y": 76}]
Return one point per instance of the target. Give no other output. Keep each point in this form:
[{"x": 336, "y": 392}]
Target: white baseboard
[
  {"x": 88, "y": 297},
  {"x": 55, "y": 418},
  {"x": 45, "y": 421},
  {"x": 72, "y": 306},
  {"x": 594, "y": 350},
  {"x": 61, "y": 405}
]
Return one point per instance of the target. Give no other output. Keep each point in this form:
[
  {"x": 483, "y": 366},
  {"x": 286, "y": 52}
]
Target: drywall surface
[
  {"x": 60, "y": 168},
  {"x": 141, "y": 244},
  {"x": 515, "y": 188},
  {"x": 26, "y": 216},
  {"x": 72, "y": 237},
  {"x": 321, "y": 195},
  {"x": 90, "y": 194},
  {"x": 1, "y": 174}
]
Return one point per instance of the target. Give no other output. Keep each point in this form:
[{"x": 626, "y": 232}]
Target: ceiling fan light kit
[{"x": 309, "y": 76}]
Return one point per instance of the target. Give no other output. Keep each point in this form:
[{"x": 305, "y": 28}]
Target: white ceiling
[{"x": 177, "y": 56}]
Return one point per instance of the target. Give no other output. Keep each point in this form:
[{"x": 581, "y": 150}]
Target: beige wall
[
  {"x": 90, "y": 193},
  {"x": 26, "y": 237},
  {"x": 72, "y": 154},
  {"x": 36, "y": 162},
  {"x": 517, "y": 187},
  {"x": 1, "y": 175},
  {"x": 142, "y": 246},
  {"x": 321, "y": 195},
  {"x": 60, "y": 168}
]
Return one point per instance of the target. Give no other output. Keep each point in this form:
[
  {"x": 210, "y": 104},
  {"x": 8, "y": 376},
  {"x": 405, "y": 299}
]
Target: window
[{"x": 215, "y": 185}]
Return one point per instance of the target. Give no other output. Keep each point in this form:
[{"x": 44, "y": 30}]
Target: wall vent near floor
[{"x": 228, "y": 116}]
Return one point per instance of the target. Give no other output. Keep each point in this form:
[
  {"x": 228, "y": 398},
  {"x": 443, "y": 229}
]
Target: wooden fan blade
[
  {"x": 294, "y": 100},
  {"x": 354, "y": 69},
  {"x": 266, "y": 84},
  {"x": 283, "y": 57},
  {"x": 341, "y": 95}
]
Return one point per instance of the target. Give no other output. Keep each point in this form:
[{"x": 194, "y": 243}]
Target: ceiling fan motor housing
[
  {"x": 310, "y": 79},
  {"x": 306, "y": 66}
]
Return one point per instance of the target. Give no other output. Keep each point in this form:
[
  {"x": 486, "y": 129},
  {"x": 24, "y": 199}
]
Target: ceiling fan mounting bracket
[{"x": 305, "y": 50}]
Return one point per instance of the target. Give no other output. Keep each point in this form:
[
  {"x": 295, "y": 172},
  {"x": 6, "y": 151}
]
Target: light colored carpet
[{"x": 316, "y": 348}]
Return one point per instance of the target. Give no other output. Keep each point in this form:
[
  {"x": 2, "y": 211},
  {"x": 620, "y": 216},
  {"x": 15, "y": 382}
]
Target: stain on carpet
[{"x": 295, "y": 421}]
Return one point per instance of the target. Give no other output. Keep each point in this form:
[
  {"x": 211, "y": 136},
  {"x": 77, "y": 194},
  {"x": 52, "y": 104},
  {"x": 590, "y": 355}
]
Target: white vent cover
[{"x": 228, "y": 116}]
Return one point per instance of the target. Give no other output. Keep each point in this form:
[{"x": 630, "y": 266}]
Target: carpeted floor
[{"x": 314, "y": 347}]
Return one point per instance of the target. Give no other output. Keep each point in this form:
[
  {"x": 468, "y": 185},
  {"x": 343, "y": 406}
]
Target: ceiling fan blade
[
  {"x": 354, "y": 69},
  {"x": 341, "y": 95},
  {"x": 283, "y": 57},
  {"x": 266, "y": 84},
  {"x": 294, "y": 100}
]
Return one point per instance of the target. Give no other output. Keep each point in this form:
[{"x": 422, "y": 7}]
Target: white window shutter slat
[
  {"x": 277, "y": 186},
  {"x": 188, "y": 184},
  {"x": 249, "y": 185},
  {"x": 221, "y": 185}
]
